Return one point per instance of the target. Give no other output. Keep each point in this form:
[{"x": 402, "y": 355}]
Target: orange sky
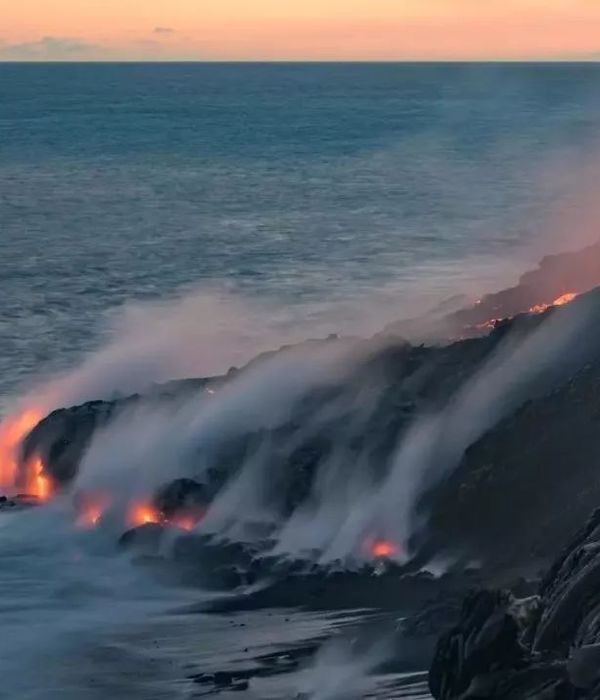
[{"x": 299, "y": 29}]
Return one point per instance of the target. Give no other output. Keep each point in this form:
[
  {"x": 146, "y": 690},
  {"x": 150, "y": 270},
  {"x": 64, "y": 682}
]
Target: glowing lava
[
  {"x": 186, "y": 522},
  {"x": 559, "y": 301},
  {"x": 90, "y": 509},
  {"x": 143, "y": 514},
  {"x": 564, "y": 299},
  {"x": 38, "y": 483},
  {"x": 90, "y": 517},
  {"x": 29, "y": 477},
  {"x": 384, "y": 549}
]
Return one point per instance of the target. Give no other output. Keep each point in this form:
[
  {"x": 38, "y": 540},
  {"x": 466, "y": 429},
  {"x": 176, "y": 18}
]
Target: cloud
[
  {"x": 49, "y": 48},
  {"x": 163, "y": 30}
]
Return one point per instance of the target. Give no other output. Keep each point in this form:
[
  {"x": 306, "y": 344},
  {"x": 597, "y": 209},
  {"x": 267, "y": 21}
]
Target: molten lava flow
[
  {"x": 90, "y": 517},
  {"x": 491, "y": 323},
  {"x": 143, "y": 514},
  {"x": 384, "y": 549},
  {"x": 90, "y": 509},
  {"x": 184, "y": 523},
  {"x": 186, "y": 520},
  {"x": 488, "y": 325},
  {"x": 37, "y": 482},
  {"x": 560, "y": 301},
  {"x": 13, "y": 430},
  {"x": 564, "y": 299}
]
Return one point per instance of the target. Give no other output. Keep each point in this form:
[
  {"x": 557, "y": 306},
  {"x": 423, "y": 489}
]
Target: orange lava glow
[
  {"x": 559, "y": 301},
  {"x": 383, "y": 549},
  {"x": 143, "y": 514},
  {"x": 31, "y": 479},
  {"x": 38, "y": 483},
  {"x": 186, "y": 522},
  {"x": 535, "y": 309},
  {"x": 13, "y": 430},
  {"x": 90, "y": 517},
  {"x": 488, "y": 325},
  {"x": 91, "y": 509},
  {"x": 564, "y": 299}
]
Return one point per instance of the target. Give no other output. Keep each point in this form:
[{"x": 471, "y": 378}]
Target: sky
[{"x": 299, "y": 30}]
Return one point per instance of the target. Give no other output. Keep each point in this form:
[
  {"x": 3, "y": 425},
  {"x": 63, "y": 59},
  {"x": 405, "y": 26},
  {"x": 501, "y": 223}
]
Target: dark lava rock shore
[
  {"x": 521, "y": 485},
  {"x": 499, "y": 503},
  {"x": 544, "y": 647}
]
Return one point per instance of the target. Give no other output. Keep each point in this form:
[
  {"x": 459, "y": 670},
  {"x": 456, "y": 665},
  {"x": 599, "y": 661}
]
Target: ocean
[
  {"x": 326, "y": 190},
  {"x": 172, "y": 220}
]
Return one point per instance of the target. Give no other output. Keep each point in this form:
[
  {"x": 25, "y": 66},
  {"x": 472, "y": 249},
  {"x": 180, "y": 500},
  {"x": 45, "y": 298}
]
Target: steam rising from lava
[
  {"x": 29, "y": 477},
  {"x": 349, "y": 511}
]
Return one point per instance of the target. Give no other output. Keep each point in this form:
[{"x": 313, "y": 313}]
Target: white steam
[
  {"x": 342, "y": 670},
  {"x": 347, "y": 504},
  {"x": 151, "y": 443},
  {"x": 196, "y": 334}
]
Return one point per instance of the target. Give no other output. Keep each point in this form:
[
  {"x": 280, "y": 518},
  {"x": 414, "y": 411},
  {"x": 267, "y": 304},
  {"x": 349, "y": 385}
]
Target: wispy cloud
[
  {"x": 163, "y": 30},
  {"x": 49, "y": 48}
]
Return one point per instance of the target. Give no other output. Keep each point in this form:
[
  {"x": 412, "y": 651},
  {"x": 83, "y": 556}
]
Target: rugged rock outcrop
[
  {"x": 511, "y": 501},
  {"x": 519, "y": 491},
  {"x": 544, "y": 647},
  {"x": 366, "y": 410},
  {"x": 570, "y": 272}
]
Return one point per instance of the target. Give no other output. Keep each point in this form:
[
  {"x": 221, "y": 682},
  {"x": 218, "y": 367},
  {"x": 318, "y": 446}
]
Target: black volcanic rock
[
  {"x": 396, "y": 380},
  {"x": 570, "y": 272},
  {"x": 543, "y": 647},
  {"x": 519, "y": 492},
  {"x": 511, "y": 500},
  {"x": 62, "y": 437},
  {"x": 18, "y": 502},
  {"x": 181, "y": 495},
  {"x": 144, "y": 539}
]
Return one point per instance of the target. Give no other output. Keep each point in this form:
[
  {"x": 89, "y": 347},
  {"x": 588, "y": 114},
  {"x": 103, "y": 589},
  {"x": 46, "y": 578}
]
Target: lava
[
  {"x": 37, "y": 482},
  {"x": 488, "y": 325},
  {"x": 184, "y": 523},
  {"x": 90, "y": 509},
  {"x": 565, "y": 299},
  {"x": 384, "y": 549},
  {"x": 90, "y": 517},
  {"x": 143, "y": 514},
  {"x": 13, "y": 430},
  {"x": 559, "y": 301},
  {"x": 14, "y": 475}
]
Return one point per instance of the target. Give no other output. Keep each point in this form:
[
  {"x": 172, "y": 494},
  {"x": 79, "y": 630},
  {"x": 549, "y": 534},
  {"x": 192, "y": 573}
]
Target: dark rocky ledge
[
  {"x": 511, "y": 488},
  {"x": 545, "y": 647}
]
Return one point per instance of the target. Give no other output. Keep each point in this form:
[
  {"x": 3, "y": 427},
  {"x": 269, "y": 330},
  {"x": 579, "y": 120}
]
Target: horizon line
[{"x": 292, "y": 61}]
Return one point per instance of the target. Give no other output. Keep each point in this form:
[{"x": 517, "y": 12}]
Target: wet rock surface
[
  {"x": 511, "y": 502},
  {"x": 526, "y": 484},
  {"x": 546, "y": 646},
  {"x": 18, "y": 502}
]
